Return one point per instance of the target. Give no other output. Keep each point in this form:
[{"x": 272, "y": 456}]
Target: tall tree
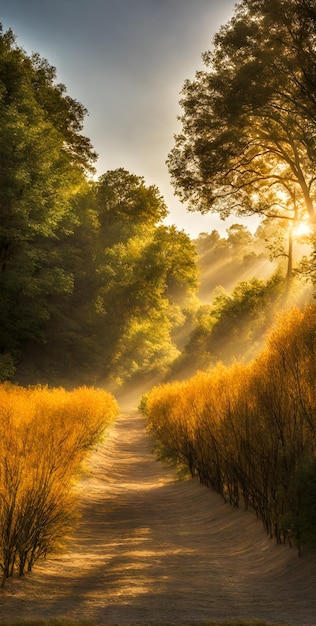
[
  {"x": 248, "y": 140},
  {"x": 43, "y": 160},
  {"x": 146, "y": 274},
  {"x": 126, "y": 204}
]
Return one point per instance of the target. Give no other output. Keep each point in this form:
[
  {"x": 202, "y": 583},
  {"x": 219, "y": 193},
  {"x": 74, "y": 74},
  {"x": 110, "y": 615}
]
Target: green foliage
[
  {"x": 248, "y": 127},
  {"x": 42, "y": 159},
  {"x": 306, "y": 268},
  {"x": 132, "y": 285},
  {"x": 87, "y": 271},
  {"x": 232, "y": 327},
  {"x": 147, "y": 274},
  {"x": 7, "y": 366},
  {"x": 126, "y": 206},
  {"x": 241, "y": 291},
  {"x": 94, "y": 287},
  {"x": 237, "y": 257}
]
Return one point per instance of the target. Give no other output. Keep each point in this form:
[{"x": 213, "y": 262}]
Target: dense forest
[
  {"x": 92, "y": 283},
  {"x": 94, "y": 287}
]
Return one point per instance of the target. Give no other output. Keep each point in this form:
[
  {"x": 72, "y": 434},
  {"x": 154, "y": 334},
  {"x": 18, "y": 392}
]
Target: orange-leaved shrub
[
  {"x": 44, "y": 436},
  {"x": 249, "y": 431}
]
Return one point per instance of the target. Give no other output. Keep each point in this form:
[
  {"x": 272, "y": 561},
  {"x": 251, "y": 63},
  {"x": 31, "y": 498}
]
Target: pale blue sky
[{"x": 126, "y": 62}]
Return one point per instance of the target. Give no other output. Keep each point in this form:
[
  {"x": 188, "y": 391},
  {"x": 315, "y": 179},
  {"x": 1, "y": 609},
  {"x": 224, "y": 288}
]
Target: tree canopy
[
  {"x": 43, "y": 159},
  {"x": 147, "y": 272},
  {"x": 84, "y": 273},
  {"x": 94, "y": 286},
  {"x": 248, "y": 140}
]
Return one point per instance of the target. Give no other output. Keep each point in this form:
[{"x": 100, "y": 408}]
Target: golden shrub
[{"x": 44, "y": 435}]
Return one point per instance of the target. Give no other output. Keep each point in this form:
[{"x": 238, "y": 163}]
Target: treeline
[
  {"x": 249, "y": 431},
  {"x": 92, "y": 283},
  {"x": 44, "y": 436},
  {"x": 242, "y": 287},
  {"x": 95, "y": 288},
  {"x": 239, "y": 256},
  {"x": 232, "y": 327}
]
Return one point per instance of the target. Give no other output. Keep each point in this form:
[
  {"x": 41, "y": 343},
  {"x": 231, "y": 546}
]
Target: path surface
[{"x": 151, "y": 549}]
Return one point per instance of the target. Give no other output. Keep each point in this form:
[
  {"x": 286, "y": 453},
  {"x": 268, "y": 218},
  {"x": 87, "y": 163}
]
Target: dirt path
[{"x": 151, "y": 549}]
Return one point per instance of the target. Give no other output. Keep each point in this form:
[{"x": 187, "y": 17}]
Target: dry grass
[{"x": 154, "y": 551}]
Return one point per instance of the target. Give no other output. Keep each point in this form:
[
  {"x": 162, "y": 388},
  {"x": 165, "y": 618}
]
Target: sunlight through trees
[{"x": 247, "y": 144}]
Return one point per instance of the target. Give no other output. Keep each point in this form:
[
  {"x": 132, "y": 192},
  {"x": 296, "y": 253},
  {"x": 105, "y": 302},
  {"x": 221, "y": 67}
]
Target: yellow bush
[
  {"x": 249, "y": 431},
  {"x": 44, "y": 435}
]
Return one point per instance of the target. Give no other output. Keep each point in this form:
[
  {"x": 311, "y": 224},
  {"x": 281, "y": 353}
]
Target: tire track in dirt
[{"x": 151, "y": 549}]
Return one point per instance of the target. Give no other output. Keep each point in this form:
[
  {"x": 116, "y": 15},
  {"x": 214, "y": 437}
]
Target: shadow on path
[{"x": 152, "y": 549}]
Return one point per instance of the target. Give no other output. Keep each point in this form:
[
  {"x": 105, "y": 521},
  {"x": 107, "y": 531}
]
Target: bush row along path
[{"x": 152, "y": 549}]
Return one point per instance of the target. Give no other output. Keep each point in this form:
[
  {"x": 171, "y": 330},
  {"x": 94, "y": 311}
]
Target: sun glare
[{"x": 302, "y": 229}]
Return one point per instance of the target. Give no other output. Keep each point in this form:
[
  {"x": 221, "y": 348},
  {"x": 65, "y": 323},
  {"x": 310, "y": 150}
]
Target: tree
[
  {"x": 90, "y": 279},
  {"x": 232, "y": 327},
  {"x": 70, "y": 349},
  {"x": 147, "y": 275},
  {"x": 43, "y": 160},
  {"x": 248, "y": 140},
  {"x": 126, "y": 205}
]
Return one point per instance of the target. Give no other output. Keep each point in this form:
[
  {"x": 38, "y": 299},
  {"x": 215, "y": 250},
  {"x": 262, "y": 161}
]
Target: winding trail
[{"x": 152, "y": 549}]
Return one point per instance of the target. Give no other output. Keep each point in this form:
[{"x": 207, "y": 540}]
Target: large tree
[
  {"x": 248, "y": 140},
  {"x": 43, "y": 160},
  {"x": 147, "y": 277}
]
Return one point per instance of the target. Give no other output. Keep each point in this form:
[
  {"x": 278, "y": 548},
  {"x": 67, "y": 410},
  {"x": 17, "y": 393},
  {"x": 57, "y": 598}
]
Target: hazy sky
[{"x": 126, "y": 62}]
